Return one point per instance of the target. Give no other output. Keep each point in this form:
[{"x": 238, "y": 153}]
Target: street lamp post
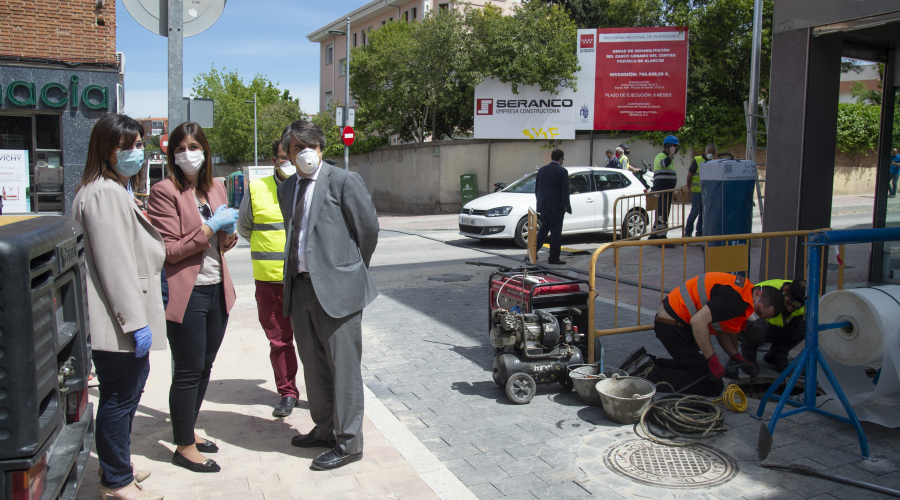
[
  {"x": 346, "y": 106},
  {"x": 255, "y": 135}
]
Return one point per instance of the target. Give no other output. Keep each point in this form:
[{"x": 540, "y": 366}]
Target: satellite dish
[{"x": 199, "y": 15}]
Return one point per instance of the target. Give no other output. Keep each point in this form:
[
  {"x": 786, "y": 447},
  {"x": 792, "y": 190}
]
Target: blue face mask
[{"x": 130, "y": 162}]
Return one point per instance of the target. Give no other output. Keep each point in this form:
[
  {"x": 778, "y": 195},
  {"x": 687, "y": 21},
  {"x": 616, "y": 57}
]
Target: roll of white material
[
  {"x": 870, "y": 311},
  {"x": 874, "y": 314}
]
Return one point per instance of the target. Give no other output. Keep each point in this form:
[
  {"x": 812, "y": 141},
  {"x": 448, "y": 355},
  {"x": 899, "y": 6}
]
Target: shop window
[{"x": 39, "y": 135}]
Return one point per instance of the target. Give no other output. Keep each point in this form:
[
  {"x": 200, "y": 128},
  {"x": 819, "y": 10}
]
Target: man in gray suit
[{"x": 332, "y": 230}]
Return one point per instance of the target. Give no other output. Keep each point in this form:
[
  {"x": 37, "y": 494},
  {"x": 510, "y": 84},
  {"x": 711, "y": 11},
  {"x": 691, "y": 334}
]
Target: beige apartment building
[{"x": 364, "y": 20}]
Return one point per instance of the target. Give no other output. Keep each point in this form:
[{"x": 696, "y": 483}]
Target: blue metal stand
[{"x": 811, "y": 356}]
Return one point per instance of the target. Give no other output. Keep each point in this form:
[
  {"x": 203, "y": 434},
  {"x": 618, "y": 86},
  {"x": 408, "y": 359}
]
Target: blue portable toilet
[{"x": 727, "y": 187}]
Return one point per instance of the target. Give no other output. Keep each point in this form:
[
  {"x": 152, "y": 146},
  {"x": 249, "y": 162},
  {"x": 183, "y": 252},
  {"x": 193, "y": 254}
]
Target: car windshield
[{"x": 523, "y": 185}]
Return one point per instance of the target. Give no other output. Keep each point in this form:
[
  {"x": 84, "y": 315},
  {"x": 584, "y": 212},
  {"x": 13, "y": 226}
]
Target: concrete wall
[{"x": 410, "y": 179}]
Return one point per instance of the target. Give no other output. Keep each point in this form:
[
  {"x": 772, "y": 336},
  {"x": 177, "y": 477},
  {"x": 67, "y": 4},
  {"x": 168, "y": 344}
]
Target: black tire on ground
[
  {"x": 520, "y": 388},
  {"x": 521, "y": 231},
  {"x": 634, "y": 223}
]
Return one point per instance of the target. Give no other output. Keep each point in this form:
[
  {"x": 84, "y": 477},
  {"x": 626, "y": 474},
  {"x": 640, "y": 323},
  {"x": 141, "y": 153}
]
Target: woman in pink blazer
[{"x": 190, "y": 212}]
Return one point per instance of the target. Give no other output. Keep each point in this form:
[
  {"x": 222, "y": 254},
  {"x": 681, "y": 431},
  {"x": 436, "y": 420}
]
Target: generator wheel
[{"x": 520, "y": 388}]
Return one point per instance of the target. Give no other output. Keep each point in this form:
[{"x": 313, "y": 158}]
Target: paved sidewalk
[{"x": 257, "y": 459}]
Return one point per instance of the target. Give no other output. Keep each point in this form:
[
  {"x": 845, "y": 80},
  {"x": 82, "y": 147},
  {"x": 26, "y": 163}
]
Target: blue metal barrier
[{"x": 811, "y": 356}]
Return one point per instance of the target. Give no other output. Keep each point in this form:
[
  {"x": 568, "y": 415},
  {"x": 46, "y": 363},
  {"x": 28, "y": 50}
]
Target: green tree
[
  {"x": 334, "y": 148},
  {"x": 151, "y": 144},
  {"x": 417, "y": 80},
  {"x": 232, "y": 136},
  {"x": 273, "y": 119},
  {"x": 858, "y": 125}
]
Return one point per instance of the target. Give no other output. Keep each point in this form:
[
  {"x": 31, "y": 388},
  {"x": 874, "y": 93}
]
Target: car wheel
[
  {"x": 634, "y": 223},
  {"x": 521, "y": 234}
]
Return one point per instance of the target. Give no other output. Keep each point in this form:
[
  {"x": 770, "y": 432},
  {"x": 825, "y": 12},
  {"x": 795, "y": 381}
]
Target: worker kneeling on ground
[
  {"x": 712, "y": 304},
  {"x": 784, "y": 331}
]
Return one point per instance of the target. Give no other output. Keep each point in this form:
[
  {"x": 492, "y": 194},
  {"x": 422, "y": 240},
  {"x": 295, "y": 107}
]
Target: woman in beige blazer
[{"x": 124, "y": 256}]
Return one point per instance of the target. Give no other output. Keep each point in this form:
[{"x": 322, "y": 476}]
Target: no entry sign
[
  {"x": 632, "y": 78},
  {"x": 347, "y": 136}
]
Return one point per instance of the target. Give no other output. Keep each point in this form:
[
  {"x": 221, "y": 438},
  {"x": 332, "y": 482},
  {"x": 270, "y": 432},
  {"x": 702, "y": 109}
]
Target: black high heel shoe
[
  {"x": 207, "y": 446},
  {"x": 208, "y": 466}
]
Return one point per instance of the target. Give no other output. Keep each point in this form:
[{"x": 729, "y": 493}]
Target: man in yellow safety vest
[
  {"x": 664, "y": 178},
  {"x": 260, "y": 221},
  {"x": 784, "y": 331},
  {"x": 696, "y": 201}
]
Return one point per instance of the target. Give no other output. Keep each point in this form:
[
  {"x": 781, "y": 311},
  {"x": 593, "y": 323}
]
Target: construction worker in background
[
  {"x": 623, "y": 159},
  {"x": 784, "y": 331},
  {"x": 709, "y": 305},
  {"x": 696, "y": 199},
  {"x": 664, "y": 178},
  {"x": 260, "y": 221}
]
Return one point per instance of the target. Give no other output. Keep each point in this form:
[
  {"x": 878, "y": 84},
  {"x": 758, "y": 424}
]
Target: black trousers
[
  {"x": 551, "y": 223},
  {"x": 194, "y": 342},
  {"x": 662, "y": 210},
  {"x": 783, "y": 339},
  {"x": 688, "y": 364},
  {"x": 122, "y": 378}
]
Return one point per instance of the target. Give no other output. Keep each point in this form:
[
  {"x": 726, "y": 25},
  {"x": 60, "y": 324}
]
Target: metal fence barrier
[
  {"x": 641, "y": 213},
  {"x": 733, "y": 256}
]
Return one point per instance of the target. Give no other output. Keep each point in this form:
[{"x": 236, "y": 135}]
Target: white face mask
[
  {"x": 307, "y": 161},
  {"x": 754, "y": 316},
  {"x": 190, "y": 161},
  {"x": 287, "y": 169},
  {"x": 709, "y": 156}
]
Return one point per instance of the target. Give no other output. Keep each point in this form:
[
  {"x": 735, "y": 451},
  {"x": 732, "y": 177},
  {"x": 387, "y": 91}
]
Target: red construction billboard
[{"x": 632, "y": 78}]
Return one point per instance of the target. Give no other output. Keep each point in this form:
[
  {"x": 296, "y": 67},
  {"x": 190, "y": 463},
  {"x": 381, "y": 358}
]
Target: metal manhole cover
[
  {"x": 645, "y": 462},
  {"x": 629, "y": 270},
  {"x": 449, "y": 278}
]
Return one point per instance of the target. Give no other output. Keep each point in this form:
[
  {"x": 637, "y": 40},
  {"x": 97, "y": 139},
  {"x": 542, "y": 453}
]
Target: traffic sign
[
  {"x": 164, "y": 142},
  {"x": 347, "y": 136}
]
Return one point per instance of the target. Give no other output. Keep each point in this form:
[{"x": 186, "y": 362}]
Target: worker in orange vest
[{"x": 710, "y": 305}]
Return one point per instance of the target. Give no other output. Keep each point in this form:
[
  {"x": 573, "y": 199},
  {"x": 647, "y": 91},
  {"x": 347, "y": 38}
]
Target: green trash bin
[{"x": 468, "y": 186}]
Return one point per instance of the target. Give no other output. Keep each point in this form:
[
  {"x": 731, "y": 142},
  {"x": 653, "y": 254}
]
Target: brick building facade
[
  {"x": 58, "y": 76},
  {"x": 61, "y": 30}
]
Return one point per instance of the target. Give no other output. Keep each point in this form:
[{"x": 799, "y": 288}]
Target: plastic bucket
[
  {"x": 585, "y": 378},
  {"x": 624, "y": 399}
]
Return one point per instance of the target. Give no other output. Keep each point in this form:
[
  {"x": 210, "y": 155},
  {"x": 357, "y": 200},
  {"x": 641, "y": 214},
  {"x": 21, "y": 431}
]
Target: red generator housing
[{"x": 551, "y": 291}]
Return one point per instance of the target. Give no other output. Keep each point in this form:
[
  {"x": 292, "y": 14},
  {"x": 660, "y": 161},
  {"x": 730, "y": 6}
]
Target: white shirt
[{"x": 304, "y": 224}]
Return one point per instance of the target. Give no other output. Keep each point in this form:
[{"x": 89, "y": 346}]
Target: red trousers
[{"x": 269, "y": 300}]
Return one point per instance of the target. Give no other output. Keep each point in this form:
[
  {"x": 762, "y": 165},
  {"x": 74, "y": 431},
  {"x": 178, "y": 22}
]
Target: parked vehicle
[{"x": 593, "y": 191}]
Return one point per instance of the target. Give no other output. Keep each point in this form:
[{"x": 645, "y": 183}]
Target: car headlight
[{"x": 498, "y": 212}]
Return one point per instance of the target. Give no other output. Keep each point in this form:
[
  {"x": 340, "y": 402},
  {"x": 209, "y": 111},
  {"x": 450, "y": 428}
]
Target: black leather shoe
[
  {"x": 285, "y": 406},
  {"x": 557, "y": 262},
  {"x": 311, "y": 441},
  {"x": 208, "y": 466},
  {"x": 334, "y": 458},
  {"x": 779, "y": 363},
  {"x": 207, "y": 446}
]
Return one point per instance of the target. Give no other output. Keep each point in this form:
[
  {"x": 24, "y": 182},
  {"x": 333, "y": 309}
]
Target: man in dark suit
[
  {"x": 331, "y": 232},
  {"x": 552, "y": 192}
]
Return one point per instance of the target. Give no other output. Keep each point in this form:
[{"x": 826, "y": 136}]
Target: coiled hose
[{"x": 686, "y": 416}]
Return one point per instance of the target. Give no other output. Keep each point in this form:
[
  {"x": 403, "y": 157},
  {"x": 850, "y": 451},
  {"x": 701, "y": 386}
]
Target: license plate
[{"x": 467, "y": 221}]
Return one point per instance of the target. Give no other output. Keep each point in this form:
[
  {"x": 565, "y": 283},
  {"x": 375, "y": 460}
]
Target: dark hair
[
  {"x": 557, "y": 155},
  {"x": 108, "y": 133},
  {"x": 609, "y": 152},
  {"x": 275, "y": 144},
  {"x": 205, "y": 176},
  {"x": 304, "y": 131},
  {"x": 773, "y": 297},
  {"x": 798, "y": 290}
]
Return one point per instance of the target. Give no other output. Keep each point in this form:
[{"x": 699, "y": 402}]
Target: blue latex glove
[
  {"x": 223, "y": 219},
  {"x": 142, "y": 340}
]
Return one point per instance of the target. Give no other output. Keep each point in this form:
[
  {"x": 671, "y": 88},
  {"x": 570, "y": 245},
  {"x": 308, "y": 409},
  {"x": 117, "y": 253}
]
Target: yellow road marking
[{"x": 12, "y": 219}]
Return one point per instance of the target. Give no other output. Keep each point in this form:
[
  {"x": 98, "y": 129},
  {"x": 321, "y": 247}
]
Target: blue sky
[{"x": 252, "y": 36}]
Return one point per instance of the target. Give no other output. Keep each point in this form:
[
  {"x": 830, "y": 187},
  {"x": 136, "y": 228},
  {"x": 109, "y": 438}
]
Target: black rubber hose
[
  {"x": 809, "y": 471},
  {"x": 574, "y": 270}
]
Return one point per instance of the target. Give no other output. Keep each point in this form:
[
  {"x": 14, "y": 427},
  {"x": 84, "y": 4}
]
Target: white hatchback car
[{"x": 593, "y": 191}]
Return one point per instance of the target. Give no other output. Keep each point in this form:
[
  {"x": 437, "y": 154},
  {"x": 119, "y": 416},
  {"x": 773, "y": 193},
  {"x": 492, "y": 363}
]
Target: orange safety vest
[{"x": 705, "y": 282}]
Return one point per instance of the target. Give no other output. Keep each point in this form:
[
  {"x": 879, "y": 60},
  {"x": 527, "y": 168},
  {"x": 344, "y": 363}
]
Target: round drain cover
[
  {"x": 629, "y": 270},
  {"x": 450, "y": 277},
  {"x": 646, "y": 462}
]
